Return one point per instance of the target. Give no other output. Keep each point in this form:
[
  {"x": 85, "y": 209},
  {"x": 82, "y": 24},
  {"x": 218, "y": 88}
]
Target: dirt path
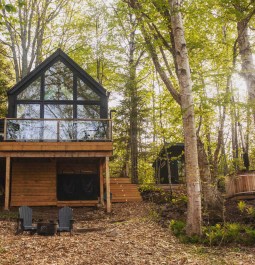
[{"x": 128, "y": 236}]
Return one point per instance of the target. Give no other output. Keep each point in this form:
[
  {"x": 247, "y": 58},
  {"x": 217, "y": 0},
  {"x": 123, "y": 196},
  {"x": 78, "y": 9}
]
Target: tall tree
[
  {"x": 173, "y": 24},
  {"x": 26, "y": 32}
]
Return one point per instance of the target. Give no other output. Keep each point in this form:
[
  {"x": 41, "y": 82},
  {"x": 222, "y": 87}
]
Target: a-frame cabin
[{"x": 57, "y": 138}]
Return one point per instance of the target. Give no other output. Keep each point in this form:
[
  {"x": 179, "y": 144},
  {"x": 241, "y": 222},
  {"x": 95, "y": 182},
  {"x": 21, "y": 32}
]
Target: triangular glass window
[
  {"x": 32, "y": 92},
  {"x": 84, "y": 92},
  {"x": 58, "y": 82}
]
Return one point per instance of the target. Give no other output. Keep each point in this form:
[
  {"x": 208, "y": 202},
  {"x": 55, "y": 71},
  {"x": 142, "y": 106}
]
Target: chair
[
  {"x": 24, "y": 222},
  {"x": 65, "y": 220}
]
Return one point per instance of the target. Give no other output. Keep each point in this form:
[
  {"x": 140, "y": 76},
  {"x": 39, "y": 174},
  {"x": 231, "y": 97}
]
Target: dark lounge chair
[
  {"x": 65, "y": 220},
  {"x": 24, "y": 222}
]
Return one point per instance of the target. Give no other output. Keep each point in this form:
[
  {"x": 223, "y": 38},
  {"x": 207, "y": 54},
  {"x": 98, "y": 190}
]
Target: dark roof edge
[{"x": 44, "y": 64}]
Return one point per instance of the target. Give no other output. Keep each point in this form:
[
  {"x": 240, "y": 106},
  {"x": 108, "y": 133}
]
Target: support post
[
  {"x": 7, "y": 184},
  {"x": 101, "y": 181},
  {"x": 107, "y": 182}
]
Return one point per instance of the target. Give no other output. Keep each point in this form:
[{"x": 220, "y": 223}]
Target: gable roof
[{"x": 58, "y": 54}]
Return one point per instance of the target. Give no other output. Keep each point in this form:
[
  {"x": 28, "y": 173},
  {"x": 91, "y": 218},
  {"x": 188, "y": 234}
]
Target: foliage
[
  {"x": 243, "y": 207},
  {"x": 6, "y": 80},
  {"x": 5, "y": 215},
  {"x": 217, "y": 235}
]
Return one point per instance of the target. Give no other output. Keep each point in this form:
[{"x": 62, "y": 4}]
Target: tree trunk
[
  {"x": 132, "y": 86},
  {"x": 194, "y": 217},
  {"x": 211, "y": 196},
  {"x": 248, "y": 68}
]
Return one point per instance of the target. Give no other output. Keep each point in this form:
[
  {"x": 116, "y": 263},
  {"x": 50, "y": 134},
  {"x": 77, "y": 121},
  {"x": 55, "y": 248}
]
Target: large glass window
[
  {"x": 88, "y": 112},
  {"x": 26, "y": 111},
  {"x": 84, "y": 92},
  {"x": 33, "y": 91},
  {"x": 58, "y": 85},
  {"x": 58, "y": 111},
  {"x": 58, "y": 82}
]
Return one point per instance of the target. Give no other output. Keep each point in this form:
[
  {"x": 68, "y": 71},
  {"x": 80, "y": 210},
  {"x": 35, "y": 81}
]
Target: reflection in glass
[
  {"x": 84, "y": 92},
  {"x": 50, "y": 130},
  {"x": 58, "y": 111},
  {"x": 57, "y": 130},
  {"x": 33, "y": 91},
  {"x": 28, "y": 111},
  {"x": 67, "y": 131},
  {"x": 92, "y": 130},
  {"x": 88, "y": 111},
  {"x": 58, "y": 82},
  {"x": 23, "y": 130}
]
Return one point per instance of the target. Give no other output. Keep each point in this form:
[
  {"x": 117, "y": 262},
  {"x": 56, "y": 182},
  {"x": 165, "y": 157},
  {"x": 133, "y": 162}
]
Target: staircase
[{"x": 123, "y": 191}]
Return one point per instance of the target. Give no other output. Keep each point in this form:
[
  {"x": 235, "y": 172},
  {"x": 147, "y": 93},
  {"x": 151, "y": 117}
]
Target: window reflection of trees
[
  {"x": 84, "y": 92},
  {"x": 66, "y": 130},
  {"x": 58, "y": 82},
  {"x": 32, "y": 92}
]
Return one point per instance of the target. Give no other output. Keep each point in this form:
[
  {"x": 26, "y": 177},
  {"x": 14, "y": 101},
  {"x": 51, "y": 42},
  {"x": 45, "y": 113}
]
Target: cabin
[
  {"x": 57, "y": 138},
  {"x": 174, "y": 155}
]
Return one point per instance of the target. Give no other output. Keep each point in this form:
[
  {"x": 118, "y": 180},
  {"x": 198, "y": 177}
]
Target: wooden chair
[
  {"x": 65, "y": 220},
  {"x": 24, "y": 222}
]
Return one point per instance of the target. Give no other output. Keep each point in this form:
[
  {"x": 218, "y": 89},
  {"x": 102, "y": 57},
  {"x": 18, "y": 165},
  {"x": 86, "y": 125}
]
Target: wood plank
[
  {"x": 77, "y": 203},
  {"x": 56, "y": 146},
  {"x": 7, "y": 184},
  {"x": 101, "y": 181},
  {"x": 107, "y": 184},
  {"x": 44, "y": 154}
]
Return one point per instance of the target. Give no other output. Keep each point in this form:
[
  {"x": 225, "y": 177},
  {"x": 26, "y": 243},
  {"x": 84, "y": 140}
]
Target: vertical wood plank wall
[{"x": 33, "y": 182}]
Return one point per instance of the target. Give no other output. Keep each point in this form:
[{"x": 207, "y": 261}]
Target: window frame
[{"x": 102, "y": 102}]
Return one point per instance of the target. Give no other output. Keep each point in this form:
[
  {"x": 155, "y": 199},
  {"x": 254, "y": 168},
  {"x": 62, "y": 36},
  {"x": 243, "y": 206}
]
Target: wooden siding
[{"x": 33, "y": 182}]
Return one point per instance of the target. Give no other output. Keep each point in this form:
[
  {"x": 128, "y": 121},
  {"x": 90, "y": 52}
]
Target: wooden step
[
  {"x": 124, "y": 191},
  {"x": 120, "y": 180}
]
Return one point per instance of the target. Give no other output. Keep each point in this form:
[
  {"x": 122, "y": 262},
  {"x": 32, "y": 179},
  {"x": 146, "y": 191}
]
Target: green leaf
[
  {"x": 21, "y": 3},
  {"x": 10, "y": 8}
]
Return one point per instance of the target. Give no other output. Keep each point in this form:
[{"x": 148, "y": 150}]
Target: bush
[{"x": 219, "y": 234}]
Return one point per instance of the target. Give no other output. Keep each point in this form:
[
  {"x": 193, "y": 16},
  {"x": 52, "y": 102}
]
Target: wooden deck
[{"x": 56, "y": 149}]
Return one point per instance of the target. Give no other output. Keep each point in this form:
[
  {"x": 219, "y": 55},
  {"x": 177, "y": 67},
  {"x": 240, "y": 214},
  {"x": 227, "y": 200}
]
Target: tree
[
  {"x": 6, "y": 80},
  {"x": 172, "y": 24},
  {"x": 26, "y": 32}
]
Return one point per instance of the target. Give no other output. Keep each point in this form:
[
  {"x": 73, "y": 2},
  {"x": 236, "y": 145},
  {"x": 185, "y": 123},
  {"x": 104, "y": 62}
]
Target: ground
[{"x": 130, "y": 235}]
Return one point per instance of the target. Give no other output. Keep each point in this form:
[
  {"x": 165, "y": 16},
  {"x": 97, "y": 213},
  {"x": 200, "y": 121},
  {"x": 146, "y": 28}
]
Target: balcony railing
[{"x": 55, "y": 130}]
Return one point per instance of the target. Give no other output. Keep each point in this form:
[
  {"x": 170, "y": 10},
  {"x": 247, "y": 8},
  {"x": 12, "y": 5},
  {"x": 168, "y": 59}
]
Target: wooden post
[
  {"x": 101, "y": 181},
  {"x": 107, "y": 182},
  {"x": 7, "y": 184}
]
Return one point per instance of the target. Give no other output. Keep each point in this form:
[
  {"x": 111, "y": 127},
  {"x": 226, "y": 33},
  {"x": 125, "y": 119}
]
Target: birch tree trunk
[
  {"x": 194, "y": 218},
  {"x": 248, "y": 68}
]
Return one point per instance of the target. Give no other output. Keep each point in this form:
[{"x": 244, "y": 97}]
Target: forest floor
[{"x": 127, "y": 236}]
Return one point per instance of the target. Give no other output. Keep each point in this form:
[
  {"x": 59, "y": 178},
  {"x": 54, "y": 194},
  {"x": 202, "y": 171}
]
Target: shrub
[{"x": 219, "y": 234}]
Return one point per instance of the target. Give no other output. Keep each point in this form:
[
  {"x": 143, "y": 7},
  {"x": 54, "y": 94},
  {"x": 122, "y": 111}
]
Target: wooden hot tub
[{"x": 241, "y": 186}]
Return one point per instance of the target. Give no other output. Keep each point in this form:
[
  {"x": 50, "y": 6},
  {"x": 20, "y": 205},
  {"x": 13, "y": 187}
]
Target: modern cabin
[
  {"x": 56, "y": 138},
  {"x": 170, "y": 164}
]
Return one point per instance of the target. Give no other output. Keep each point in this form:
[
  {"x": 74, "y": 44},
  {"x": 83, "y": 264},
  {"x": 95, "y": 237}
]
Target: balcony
[{"x": 57, "y": 130}]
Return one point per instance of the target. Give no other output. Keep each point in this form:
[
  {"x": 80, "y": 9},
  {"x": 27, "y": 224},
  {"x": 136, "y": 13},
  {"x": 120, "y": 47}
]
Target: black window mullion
[
  {"x": 74, "y": 96},
  {"x": 42, "y": 96}
]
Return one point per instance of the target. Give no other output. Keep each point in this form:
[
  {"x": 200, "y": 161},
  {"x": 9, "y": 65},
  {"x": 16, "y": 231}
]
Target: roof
[
  {"x": 173, "y": 150},
  {"x": 58, "y": 54}
]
